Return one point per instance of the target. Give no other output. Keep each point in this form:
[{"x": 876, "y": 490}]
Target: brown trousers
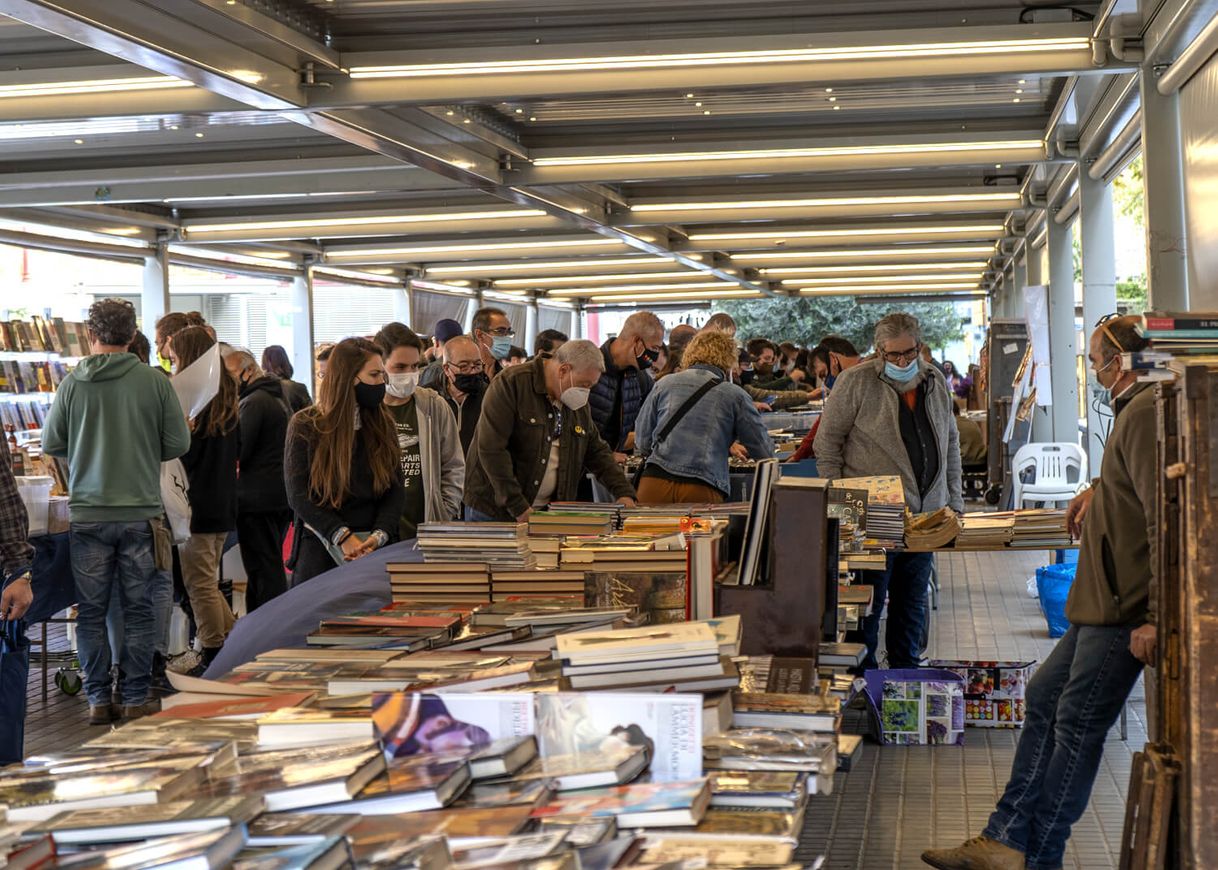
[
  {"x": 201, "y": 576},
  {"x": 655, "y": 490}
]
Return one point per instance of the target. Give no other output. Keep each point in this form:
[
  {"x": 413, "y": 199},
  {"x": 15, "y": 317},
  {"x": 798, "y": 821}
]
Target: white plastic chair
[{"x": 1054, "y": 461}]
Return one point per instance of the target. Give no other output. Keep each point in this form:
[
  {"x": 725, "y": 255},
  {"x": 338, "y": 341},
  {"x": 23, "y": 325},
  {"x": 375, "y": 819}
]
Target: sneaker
[
  {"x": 139, "y": 711},
  {"x": 979, "y": 853},
  {"x": 103, "y": 714},
  {"x": 184, "y": 663}
]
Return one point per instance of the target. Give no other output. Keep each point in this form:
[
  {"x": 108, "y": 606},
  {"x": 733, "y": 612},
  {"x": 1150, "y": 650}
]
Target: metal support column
[
  {"x": 1063, "y": 348},
  {"x": 1098, "y": 242},
  {"x": 1163, "y": 174},
  {"x": 402, "y": 310},
  {"x": 154, "y": 297},
  {"x": 530, "y": 325},
  {"x": 577, "y": 323},
  {"x": 1019, "y": 272},
  {"x": 302, "y": 329}
]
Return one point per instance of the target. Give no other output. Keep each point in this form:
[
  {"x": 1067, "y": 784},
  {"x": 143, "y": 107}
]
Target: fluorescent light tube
[
  {"x": 875, "y": 279},
  {"x": 338, "y": 220},
  {"x": 998, "y": 199},
  {"x": 861, "y": 232},
  {"x": 597, "y": 279},
  {"x": 95, "y": 86},
  {"x": 470, "y": 248},
  {"x": 636, "y": 288},
  {"x": 556, "y": 264},
  {"x": 875, "y": 267},
  {"x": 847, "y": 254},
  {"x": 849, "y": 290},
  {"x": 717, "y": 58}
]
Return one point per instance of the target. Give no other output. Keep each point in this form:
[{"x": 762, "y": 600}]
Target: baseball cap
[{"x": 446, "y": 329}]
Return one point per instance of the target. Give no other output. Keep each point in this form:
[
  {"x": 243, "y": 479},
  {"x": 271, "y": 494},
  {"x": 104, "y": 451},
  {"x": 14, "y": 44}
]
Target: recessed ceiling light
[
  {"x": 450, "y": 113},
  {"x": 699, "y": 105},
  {"x": 706, "y": 111},
  {"x": 1016, "y": 100},
  {"x": 1019, "y": 90},
  {"x": 833, "y": 99},
  {"x": 80, "y": 141},
  {"x": 1023, "y": 81},
  {"x": 466, "y": 121},
  {"x": 532, "y": 117},
  {"x": 520, "y": 111},
  {"x": 835, "y": 108},
  {"x": 828, "y": 90},
  {"x": 173, "y": 126},
  {"x": 198, "y": 135},
  {"x": 997, "y": 165},
  {"x": 689, "y": 96}
]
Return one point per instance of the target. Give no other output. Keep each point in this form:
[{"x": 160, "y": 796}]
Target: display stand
[
  {"x": 1005, "y": 347},
  {"x": 787, "y": 614}
]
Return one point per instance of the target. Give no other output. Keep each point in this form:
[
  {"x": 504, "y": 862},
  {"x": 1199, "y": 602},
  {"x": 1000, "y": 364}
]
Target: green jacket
[
  {"x": 1119, "y": 544},
  {"x": 115, "y": 420},
  {"x": 511, "y": 447}
]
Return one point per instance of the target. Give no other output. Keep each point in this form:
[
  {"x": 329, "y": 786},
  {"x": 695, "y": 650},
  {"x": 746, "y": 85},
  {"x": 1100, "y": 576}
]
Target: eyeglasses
[
  {"x": 1102, "y": 324},
  {"x": 501, "y": 332},
  {"x": 467, "y": 368},
  {"x": 902, "y": 356}
]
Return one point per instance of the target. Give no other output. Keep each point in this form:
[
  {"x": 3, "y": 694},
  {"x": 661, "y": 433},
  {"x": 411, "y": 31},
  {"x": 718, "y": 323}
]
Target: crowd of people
[{"x": 406, "y": 429}]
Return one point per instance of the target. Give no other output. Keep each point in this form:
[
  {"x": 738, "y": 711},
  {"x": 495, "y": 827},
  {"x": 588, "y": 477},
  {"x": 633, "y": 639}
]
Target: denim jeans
[
  {"x": 108, "y": 560},
  {"x": 905, "y": 581},
  {"x": 473, "y": 516},
  {"x": 160, "y": 595},
  {"x": 1072, "y": 702}
]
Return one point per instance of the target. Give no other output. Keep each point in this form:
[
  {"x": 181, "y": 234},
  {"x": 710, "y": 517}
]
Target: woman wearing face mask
[
  {"x": 433, "y": 463},
  {"x": 211, "y": 470},
  {"x": 535, "y": 440},
  {"x": 892, "y": 415},
  {"x": 342, "y": 467}
]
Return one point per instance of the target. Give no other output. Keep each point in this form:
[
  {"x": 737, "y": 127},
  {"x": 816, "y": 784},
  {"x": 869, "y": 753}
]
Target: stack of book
[
  {"x": 931, "y": 531},
  {"x": 408, "y": 628},
  {"x": 499, "y": 545},
  {"x": 1040, "y": 529},
  {"x": 1190, "y": 334},
  {"x": 885, "y": 517},
  {"x": 570, "y": 522},
  {"x": 679, "y": 656},
  {"x": 509, "y": 585},
  {"x": 442, "y": 582},
  {"x": 985, "y": 531},
  {"x": 632, "y": 554}
]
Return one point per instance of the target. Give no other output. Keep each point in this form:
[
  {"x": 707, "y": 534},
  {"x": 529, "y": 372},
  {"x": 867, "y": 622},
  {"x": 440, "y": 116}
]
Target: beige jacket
[{"x": 1119, "y": 544}]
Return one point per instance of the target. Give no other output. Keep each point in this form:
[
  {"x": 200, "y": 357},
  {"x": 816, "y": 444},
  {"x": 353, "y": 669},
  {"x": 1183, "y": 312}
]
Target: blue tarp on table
[{"x": 287, "y": 620}]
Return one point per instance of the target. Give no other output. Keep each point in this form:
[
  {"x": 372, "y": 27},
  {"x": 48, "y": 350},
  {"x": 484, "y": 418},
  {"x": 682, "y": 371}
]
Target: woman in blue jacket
[{"x": 690, "y": 464}]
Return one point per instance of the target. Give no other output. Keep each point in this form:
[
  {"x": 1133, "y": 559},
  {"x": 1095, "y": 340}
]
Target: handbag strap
[{"x": 686, "y": 407}]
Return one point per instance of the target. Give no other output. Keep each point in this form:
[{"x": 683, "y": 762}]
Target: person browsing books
[
  {"x": 275, "y": 362},
  {"x": 689, "y": 422},
  {"x": 623, "y": 385},
  {"x": 892, "y": 415},
  {"x": 432, "y": 461},
  {"x": 211, "y": 471},
  {"x": 1078, "y": 692},
  {"x": 536, "y": 440},
  {"x": 830, "y": 358},
  {"x": 464, "y": 386},
  {"x": 341, "y": 465}
]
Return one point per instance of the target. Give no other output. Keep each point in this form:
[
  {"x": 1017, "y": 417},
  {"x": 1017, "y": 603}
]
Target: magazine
[{"x": 409, "y": 723}]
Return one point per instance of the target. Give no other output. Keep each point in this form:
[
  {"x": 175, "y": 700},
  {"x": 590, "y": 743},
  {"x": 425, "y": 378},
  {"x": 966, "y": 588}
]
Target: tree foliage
[{"x": 806, "y": 321}]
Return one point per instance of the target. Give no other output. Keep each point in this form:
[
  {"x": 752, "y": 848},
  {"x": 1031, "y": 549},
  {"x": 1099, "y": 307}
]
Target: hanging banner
[
  {"x": 1036, "y": 314},
  {"x": 199, "y": 382}
]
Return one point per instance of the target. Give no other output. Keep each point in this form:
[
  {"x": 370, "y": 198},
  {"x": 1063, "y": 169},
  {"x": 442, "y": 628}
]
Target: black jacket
[
  {"x": 466, "y": 414},
  {"x": 264, "y": 429},
  {"x": 616, "y": 399},
  {"x": 211, "y": 471},
  {"x": 297, "y": 395}
]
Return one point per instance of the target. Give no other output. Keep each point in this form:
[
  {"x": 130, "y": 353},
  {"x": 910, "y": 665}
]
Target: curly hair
[
  {"x": 711, "y": 347},
  {"x": 112, "y": 322}
]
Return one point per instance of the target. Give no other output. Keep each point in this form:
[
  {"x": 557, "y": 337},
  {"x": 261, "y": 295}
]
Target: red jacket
[{"x": 805, "y": 450}]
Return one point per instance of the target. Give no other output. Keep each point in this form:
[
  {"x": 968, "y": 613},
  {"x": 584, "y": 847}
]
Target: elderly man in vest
[{"x": 1078, "y": 692}]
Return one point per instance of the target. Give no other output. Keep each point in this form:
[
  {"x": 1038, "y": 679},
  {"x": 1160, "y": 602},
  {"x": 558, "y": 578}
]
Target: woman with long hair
[
  {"x": 341, "y": 465},
  {"x": 275, "y": 362},
  {"x": 211, "y": 471}
]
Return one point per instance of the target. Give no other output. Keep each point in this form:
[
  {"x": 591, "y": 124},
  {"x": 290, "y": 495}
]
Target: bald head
[{"x": 680, "y": 336}]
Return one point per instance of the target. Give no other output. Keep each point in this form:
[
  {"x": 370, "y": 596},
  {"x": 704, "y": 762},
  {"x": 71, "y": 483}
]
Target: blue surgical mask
[
  {"x": 501, "y": 346},
  {"x": 1103, "y": 395},
  {"x": 830, "y": 380},
  {"x": 901, "y": 374}
]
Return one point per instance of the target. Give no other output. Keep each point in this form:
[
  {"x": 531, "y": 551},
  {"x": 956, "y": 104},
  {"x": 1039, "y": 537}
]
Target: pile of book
[
  {"x": 570, "y": 522},
  {"x": 932, "y": 530},
  {"x": 1184, "y": 334},
  {"x": 38, "y": 335},
  {"x": 985, "y": 531},
  {"x": 885, "y": 517},
  {"x": 22, "y": 376},
  {"x": 1043, "y": 528},
  {"x": 510, "y": 585},
  {"x": 458, "y": 582},
  {"x": 499, "y": 545},
  {"x": 317, "y": 757},
  {"x": 638, "y": 554}
]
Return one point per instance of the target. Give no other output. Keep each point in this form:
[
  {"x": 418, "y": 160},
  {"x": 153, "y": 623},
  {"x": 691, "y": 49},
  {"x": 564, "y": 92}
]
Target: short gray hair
[
  {"x": 581, "y": 355},
  {"x": 644, "y": 324},
  {"x": 244, "y": 358},
  {"x": 894, "y": 326}
]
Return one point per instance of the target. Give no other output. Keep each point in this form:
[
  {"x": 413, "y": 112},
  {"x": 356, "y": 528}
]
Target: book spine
[{"x": 1171, "y": 324}]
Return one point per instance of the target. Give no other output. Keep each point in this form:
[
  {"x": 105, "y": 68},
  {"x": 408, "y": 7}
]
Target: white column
[
  {"x": 1166, "y": 263},
  {"x": 401, "y": 305},
  {"x": 302, "y": 329},
  {"x": 1062, "y": 344},
  {"x": 1099, "y": 280},
  {"x": 530, "y": 326},
  {"x": 577, "y": 323},
  {"x": 1019, "y": 280},
  {"x": 154, "y": 296}
]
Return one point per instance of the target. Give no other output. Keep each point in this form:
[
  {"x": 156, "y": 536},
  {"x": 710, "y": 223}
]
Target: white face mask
[
  {"x": 574, "y": 397},
  {"x": 401, "y": 385}
]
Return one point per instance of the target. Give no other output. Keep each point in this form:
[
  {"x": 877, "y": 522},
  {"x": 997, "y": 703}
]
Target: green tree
[
  {"x": 806, "y": 321},
  {"x": 1129, "y": 192}
]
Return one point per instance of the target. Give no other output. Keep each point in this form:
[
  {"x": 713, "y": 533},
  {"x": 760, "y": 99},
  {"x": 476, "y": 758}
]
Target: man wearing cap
[{"x": 432, "y": 376}]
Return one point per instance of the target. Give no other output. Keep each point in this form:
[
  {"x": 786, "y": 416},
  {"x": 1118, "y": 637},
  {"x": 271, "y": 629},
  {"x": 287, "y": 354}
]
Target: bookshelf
[
  {"x": 794, "y": 608},
  {"x": 35, "y": 356}
]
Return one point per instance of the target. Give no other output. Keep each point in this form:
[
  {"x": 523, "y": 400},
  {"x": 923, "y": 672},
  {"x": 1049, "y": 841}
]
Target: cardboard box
[
  {"x": 993, "y": 691},
  {"x": 918, "y": 707}
]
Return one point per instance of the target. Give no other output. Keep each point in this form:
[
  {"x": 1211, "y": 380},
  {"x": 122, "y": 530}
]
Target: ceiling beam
[{"x": 555, "y": 70}]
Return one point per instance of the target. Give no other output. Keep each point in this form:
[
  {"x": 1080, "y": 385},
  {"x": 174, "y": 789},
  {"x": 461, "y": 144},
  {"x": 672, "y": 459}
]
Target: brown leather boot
[{"x": 979, "y": 853}]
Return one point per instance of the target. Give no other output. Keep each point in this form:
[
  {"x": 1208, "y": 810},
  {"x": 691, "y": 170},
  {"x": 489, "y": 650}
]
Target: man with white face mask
[
  {"x": 536, "y": 439},
  {"x": 433, "y": 463}
]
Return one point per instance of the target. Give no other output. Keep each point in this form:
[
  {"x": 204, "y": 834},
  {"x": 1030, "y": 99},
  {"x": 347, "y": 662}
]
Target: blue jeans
[
  {"x": 161, "y": 597},
  {"x": 1072, "y": 702},
  {"x": 905, "y": 581},
  {"x": 473, "y": 516},
  {"x": 108, "y": 560}
]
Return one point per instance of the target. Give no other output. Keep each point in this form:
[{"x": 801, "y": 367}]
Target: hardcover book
[
  {"x": 412, "y": 723},
  {"x": 642, "y": 805}
]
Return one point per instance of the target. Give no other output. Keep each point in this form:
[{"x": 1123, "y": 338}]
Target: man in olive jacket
[
  {"x": 536, "y": 439},
  {"x": 1078, "y": 692}
]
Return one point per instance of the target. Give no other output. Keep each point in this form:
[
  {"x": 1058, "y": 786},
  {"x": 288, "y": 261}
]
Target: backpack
[{"x": 174, "y": 498}]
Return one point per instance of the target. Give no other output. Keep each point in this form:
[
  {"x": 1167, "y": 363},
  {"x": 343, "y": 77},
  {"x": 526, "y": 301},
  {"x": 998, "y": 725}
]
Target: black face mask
[
  {"x": 369, "y": 396},
  {"x": 468, "y": 383},
  {"x": 647, "y": 358},
  {"x": 746, "y": 376}
]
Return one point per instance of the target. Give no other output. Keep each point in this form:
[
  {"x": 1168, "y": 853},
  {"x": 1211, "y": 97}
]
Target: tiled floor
[{"x": 898, "y": 800}]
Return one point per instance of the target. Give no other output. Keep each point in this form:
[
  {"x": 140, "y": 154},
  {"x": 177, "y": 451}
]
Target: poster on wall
[{"x": 1036, "y": 314}]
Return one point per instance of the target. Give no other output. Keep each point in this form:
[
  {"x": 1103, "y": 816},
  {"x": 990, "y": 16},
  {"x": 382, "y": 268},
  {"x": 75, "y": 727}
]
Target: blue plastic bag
[{"x": 1053, "y": 583}]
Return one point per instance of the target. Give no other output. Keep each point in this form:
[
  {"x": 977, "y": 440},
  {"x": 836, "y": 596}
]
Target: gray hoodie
[
  {"x": 860, "y": 434},
  {"x": 115, "y": 420}
]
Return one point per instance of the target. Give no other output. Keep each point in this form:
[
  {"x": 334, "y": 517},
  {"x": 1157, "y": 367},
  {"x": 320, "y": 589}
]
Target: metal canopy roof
[{"x": 565, "y": 147}]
